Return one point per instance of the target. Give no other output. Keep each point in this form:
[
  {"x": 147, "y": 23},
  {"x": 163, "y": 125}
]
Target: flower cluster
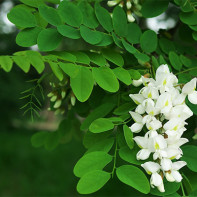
[{"x": 162, "y": 109}]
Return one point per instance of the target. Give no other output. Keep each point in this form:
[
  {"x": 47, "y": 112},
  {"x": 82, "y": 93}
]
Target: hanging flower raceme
[{"x": 161, "y": 113}]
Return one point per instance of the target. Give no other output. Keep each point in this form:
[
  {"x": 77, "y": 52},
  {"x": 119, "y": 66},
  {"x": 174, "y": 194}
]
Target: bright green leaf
[
  {"x": 128, "y": 136},
  {"x": 22, "y": 62},
  {"x": 131, "y": 49},
  {"x": 69, "y": 32},
  {"x": 97, "y": 58},
  {"x": 6, "y": 63},
  {"x": 92, "y": 182},
  {"x": 56, "y": 70},
  {"x": 123, "y": 75},
  {"x": 70, "y": 69},
  {"x": 134, "y": 33},
  {"x": 133, "y": 177}
]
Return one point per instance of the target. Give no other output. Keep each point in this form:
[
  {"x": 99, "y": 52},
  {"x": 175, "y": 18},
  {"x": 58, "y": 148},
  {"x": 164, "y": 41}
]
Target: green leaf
[
  {"x": 64, "y": 56},
  {"x": 124, "y": 108},
  {"x": 82, "y": 84},
  {"x": 22, "y": 62},
  {"x": 106, "y": 40},
  {"x": 52, "y": 140},
  {"x": 41, "y": 22},
  {"x": 131, "y": 49},
  {"x": 99, "y": 112},
  {"x": 166, "y": 45},
  {"x": 130, "y": 155},
  {"x": 70, "y": 13},
  {"x": 194, "y": 35},
  {"x": 141, "y": 56},
  {"x": 56, "y": 70},
  {"x": 191, "y": 106},
  {"x": 186, "y": 61},
  {"x": 82, "y": 58},
  {"x": 89, "y": 18},
  {"x": 135, "y": 74},
  {"x": 119, "y": 20},
  {"x": 106, "y": 79},
  {"x": 170, "y": 188},
  {"x": 69, "y": 32},
  {"x": 49, "y": 39},
  {"x": 28, "y": 37},
  {"x": 6, "y": 63},
  {"x": 70, "y": 69},
  {"x": 97, "y": 58},
  {"x": 155, "y": 62},
  {"x": 133, "y": 177},
  {"x": 90, "y": 36},
  {"x": 104, "y": 145},
  {"x": 123, "y": 75},
  {"x": 21, "y": 17},
  {"x": 36, "y": 60},
  {"x": 117, "y": 40},
  {"x": 159, "y": 7},
  {"x": 184, "y": 78},
  {"x": 103, "y": 17},
  {"x": 50, "y": 15},
  {"x": 38, "y": 139},
  {"x": 128, "y": 136},
  {"x": 92, "y": 182},
  {"x": 134, "y": 33},
  {"x": 190, "y": 157},
  {"x": 92, "y": 161},
  {"x": 175, "y": 61},
  {"x": 148, "y": 41},
  {"x": 189, "y": 18},
  {"x": 100, "y": 125},
  {"x": 113, "y": 57},
  {"x": 33, "y": 3}
]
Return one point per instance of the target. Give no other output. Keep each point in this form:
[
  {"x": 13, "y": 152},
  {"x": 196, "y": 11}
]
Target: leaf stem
[
  {"x": 182, "y": 188},
  {"x": 115, "y": 154},
  {"x": 186, "y": 71}
]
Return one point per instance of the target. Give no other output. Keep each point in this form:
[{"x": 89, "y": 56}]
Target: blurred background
[{"x": 29, "y": 171}]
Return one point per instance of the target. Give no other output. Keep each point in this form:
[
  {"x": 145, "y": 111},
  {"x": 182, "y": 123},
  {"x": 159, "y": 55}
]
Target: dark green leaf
[
  {"x": 106, "y": 40},
  {"x": 38, "y": 139},
  {"x": 148, "y": 41},
  {"x": 81, "y": 57},
  {"x": 97, "y": 58},
  {"x": 52, "y": 140},
  {"x": 131, "y": 49},
  {"x": 103, "y": 17},
  {"x": 100, "y": 125},
  {"x": 90, "y": 36},
  {"x": 69, "y": 32},
  {"x": 166, "y": 45},
  {"x": 70, "y": 13},
  {"x": 189, "y": 18},
  {"x": 175, "y": 61},
  {"x": 159, "y": 7},
  {"x": 134, "y": 33},
  {"x": 125, "y": 108},
  {"x": 128, "y": 136}
]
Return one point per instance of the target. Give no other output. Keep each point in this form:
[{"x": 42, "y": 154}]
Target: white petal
[
  {"x": 143, "y": 154},
  {"x": 166, "y": 164},
  {"x": 169, "y": 177},
  {"x": 136, "y": 117},
  {"x": 136, "y": 127},
  {"x": 161, "y": 187},
  {"x": 142, "y": 142},
  {"x": 179, "y": 99},
  {"x": 156, "y": 179},
  {"x": 160, "y": 142},
  {"x": 193, "y": 97},
  {"x": 177, "y": 176},
  {"x": 162, "y": 69},
  {"x": 172, "y": 153},
  {"x": 140, "y": 109},
  {"x": 154, "y": 125},
  {"x": 189, "y": 87},
  {"x": 151, "y": 167},
  {"x": 138, "y": 82},
  {"x": 178, "y": 165},
  {"x": 137, "y": 98}
]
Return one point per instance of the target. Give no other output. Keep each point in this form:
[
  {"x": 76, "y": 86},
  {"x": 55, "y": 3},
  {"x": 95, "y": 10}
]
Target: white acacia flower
[
  {"x": 150, "y": 107},
  {"x": 140, "y": 109},
  {"x": 152, "y": 169},
  {"x": 138, "y": 125},
  {"x": 137, "y": 98},
  {"x": 138, "y": 82},
  {"x": 189, "y": 89},
  {"x": 150, "y": 92},
  {"x": 154, "y": 124},
  {"x": 143, "y": 143},
  {"x": 173, "y": 174},
  {"x": 174, "y": 124}
]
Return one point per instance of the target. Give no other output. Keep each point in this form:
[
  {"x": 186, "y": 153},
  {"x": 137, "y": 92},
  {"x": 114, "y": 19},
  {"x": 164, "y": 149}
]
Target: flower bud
[{"x": 57, "y": 104}]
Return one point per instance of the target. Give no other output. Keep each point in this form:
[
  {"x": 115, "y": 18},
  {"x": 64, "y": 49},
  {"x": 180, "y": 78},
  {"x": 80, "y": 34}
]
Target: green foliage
[
  {"x": 133, "y": 177},
  {"x": 128, "y": 136}
]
